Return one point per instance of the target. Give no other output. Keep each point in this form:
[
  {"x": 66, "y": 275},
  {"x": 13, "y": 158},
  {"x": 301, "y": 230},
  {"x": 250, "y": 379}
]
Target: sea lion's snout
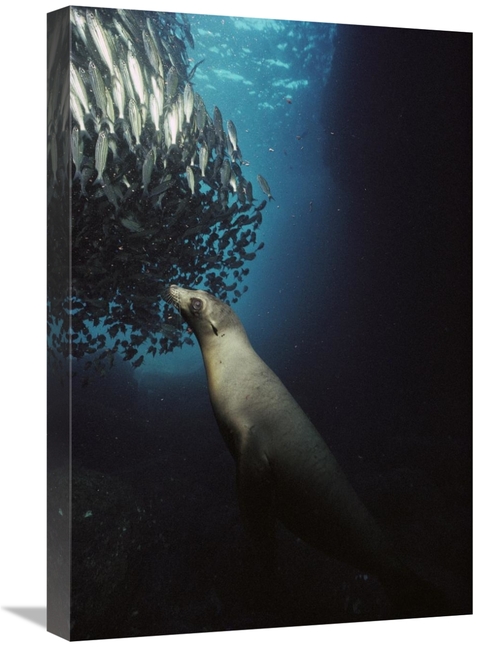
[{"x": 174, "y": 296}]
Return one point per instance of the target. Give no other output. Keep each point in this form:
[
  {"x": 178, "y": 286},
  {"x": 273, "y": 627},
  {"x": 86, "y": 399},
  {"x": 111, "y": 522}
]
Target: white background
[{"x": 22, "y": 318}]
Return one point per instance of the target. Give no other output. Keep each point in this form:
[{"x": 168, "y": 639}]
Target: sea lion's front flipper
[{"x": 257, "y": 500}]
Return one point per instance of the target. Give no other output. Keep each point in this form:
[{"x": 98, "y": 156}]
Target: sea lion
[{"x": 285, "y": 470}]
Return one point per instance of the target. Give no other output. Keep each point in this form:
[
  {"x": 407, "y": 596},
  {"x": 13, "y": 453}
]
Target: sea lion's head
[{"x": 206, "y": 315}]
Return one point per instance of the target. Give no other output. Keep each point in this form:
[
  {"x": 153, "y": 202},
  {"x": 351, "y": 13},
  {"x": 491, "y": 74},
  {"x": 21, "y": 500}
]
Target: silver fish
[
  {"x": 264, "y": 186},
  {"x": 77, "y": 151},
  {"x": 159, "y": 91},
  {"x": 118, "y": 92},
  {"x": 188, "y": 101},
  {"x": 79, "y": 21},
  {"x": 173, "y": 124},
  {"x": 134, "y": 117},
  {"x": 154, "y": 111},
  {"x": 152, "y": 51},
  {"x": 166, "y": 132},
  {"x": 179, "y": 105},
  {"x": 101, "y": 155},
  {"x": 136, "y": 76},
  {"x": 110, "y": 109},
  {"x": 128, "y": 138},
  {"x": 203, "y": 154},
  {"x": 190, "y": 178},
  {"x": 100, "y": 38},
  {"x": 98, "y": 87},
  {"x": 233, "y": 181},
  {"x": 240, "y": 192},
  {"x": 127, "y": 81},
  {"x": 156, "y": 45},
  {"x": 172, "y": 83},
  {"x": 78, "y": 87},
  {"x": 122, "y": 32},
  {"x": 233, "y": 136}
]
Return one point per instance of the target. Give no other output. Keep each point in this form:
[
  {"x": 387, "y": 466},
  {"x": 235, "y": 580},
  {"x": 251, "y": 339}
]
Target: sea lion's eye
[{"x": 196, "y": 305}]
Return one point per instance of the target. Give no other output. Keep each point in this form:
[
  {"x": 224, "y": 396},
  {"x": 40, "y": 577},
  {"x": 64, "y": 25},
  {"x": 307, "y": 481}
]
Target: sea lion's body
[{"x": 285, "y": 470}]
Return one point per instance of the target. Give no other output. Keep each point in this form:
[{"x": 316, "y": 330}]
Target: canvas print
[{"x": 259, "y": 344}]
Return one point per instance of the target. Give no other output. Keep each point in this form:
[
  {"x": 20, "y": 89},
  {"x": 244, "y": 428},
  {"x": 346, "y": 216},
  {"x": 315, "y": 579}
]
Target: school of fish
[{"x": 158, "y": 194}]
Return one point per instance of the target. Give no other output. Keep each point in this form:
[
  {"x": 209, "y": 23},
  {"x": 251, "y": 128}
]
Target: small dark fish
[
  {"x": 147, "y": 169},
  {"x": 249, "y": 192},
  {"x": 130, "y": 352},
  {"x": 240, "y": 192},
  {"x": 225, "y": 173},
  {"x": 218, "y": 123},
  {"x": 186, "y": 29},
  {"x": 161, "y": 188},
  {"x": 191, "y": 72}
]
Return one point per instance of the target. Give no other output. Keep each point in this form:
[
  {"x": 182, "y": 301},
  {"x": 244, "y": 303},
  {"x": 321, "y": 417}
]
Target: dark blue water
[{"x": 360, "y": 302}]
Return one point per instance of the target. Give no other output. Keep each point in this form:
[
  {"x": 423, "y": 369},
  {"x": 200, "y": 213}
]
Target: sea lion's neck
[{"x": 223, "y": 352}]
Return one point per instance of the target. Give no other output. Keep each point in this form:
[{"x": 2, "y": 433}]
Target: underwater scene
[{"x": 316, "y": 179}]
